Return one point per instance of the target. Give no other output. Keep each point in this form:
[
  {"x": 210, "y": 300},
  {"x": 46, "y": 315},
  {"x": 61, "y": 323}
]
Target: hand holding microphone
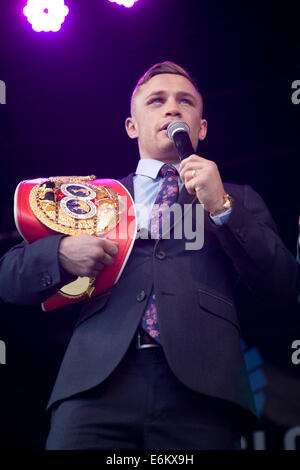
[{"x": 200, "y": 176}]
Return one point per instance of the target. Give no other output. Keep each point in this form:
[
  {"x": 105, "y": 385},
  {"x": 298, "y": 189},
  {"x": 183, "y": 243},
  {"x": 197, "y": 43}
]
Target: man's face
[{"x": 163, "y": 99}]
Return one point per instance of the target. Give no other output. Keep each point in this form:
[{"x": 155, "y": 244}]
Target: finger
[
  {"x": 109, "y": 247},
  {"x": 99, "y": 265},
  {"x": 187, "y": 160},
  {"x": 190, "y": 160},
  {"x": 191, "y": 171},
  {"x": 107, "y": 259},
  {"x": 98, "y": 255},
  {"x": 194, "y": 165},
  {"x": 194, "y": 185},
  {"x": 95, "y": 271}
]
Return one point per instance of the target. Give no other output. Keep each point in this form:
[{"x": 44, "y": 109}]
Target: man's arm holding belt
[{"x": 31, "y": 272}]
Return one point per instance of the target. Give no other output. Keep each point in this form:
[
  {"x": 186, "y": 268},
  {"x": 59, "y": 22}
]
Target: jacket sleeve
[
  {"x": 250, "y": 239},
  {"x": 30, "y": 272}
]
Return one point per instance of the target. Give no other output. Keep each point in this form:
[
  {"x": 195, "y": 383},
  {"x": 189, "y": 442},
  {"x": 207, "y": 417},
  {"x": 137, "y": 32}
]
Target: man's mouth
[{"x": 164, "y": 128}]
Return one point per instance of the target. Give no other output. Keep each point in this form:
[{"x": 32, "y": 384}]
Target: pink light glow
[
  {"x": 125, "y": 3},
  {"x": 46, "y": 15}
]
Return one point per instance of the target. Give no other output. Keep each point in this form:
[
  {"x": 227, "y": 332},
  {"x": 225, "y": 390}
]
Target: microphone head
[{"x": 177, "y": 126}]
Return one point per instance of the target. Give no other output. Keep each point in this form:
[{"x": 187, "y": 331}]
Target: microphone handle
[{"x": 183, "y": 144}]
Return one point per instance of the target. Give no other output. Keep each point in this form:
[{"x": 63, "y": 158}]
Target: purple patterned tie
[{"x": 166, "y": 196}]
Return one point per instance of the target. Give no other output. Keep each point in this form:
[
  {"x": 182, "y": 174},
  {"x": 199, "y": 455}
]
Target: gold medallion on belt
[{"x": 74, "y": 205}]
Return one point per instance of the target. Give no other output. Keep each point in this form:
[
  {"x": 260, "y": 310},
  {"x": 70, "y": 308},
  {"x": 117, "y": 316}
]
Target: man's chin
[
  {"x": 165, "y": 144},
  {"x": 164, "y": 150},
  {"x": 168, "y": 153}
]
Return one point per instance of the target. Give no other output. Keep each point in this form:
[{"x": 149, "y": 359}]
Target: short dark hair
[{"x": 164, "y": 67}]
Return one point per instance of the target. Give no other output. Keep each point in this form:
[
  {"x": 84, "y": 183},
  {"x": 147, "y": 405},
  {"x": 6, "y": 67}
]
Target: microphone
[{"x": 178, "y": 132}]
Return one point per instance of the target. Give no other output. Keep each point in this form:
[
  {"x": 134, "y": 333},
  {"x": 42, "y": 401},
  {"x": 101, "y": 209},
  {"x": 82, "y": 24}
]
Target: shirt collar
[{"x": 150, "y": 167}]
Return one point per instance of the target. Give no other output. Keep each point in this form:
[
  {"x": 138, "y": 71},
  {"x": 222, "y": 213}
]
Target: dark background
[{"x": 67, "y": 100}]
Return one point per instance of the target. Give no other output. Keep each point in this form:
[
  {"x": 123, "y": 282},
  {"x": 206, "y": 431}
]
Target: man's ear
[
  {"x": 131, "y": 128},
  {"x": 203, "y": 129}
]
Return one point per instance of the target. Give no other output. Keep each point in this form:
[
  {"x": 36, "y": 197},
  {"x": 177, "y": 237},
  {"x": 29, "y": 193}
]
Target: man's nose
[{"x": 172, "y": 108}]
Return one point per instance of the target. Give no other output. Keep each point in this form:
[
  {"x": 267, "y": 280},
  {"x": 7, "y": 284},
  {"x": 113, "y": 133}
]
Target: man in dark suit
[{"x": 156, "y": 361}]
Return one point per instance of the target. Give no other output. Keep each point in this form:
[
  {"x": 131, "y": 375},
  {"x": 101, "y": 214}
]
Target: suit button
[
  {"x": 160, "y": 255},
  {"x": 46, "y": 280},
  {"x": 141, "y": 296}
]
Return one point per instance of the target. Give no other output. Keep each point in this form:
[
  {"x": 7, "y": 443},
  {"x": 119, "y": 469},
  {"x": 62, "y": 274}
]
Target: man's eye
[
  {"x": 185, "y": 101},
  {"x": 156, "y": 100}
]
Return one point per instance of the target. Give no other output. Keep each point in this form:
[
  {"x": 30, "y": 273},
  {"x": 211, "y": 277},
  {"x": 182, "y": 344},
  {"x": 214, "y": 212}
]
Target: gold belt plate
[{"x": 73, "y": 206}]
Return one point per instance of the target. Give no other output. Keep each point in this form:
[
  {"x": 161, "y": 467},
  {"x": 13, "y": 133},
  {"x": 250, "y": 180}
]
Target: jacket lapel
[{"x": 186, "y": 198}]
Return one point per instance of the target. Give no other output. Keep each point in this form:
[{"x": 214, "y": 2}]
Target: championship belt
[{"x": 76, "y": 205}]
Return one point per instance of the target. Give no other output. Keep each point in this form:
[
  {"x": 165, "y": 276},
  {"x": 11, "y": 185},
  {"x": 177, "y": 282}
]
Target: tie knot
[{"x": 167, "y": 169}]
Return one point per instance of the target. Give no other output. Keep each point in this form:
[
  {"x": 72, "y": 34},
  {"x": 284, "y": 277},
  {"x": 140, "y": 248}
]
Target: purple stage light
[
  {"x": 46, "y": 15},
  {"x": 125, "y": 3}
]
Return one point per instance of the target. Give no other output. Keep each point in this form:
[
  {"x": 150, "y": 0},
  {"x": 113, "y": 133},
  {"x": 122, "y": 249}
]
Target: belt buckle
[{"x": 145, "y": 345}]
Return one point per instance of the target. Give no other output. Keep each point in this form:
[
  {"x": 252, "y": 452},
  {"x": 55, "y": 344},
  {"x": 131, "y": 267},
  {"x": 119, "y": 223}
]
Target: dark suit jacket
[{"x": 195, "y": 295}]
